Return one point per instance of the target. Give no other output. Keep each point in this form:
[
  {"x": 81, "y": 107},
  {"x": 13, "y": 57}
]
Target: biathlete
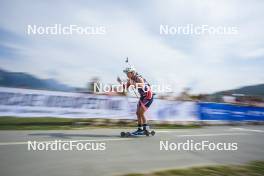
[{"x": 145, "y": 100}]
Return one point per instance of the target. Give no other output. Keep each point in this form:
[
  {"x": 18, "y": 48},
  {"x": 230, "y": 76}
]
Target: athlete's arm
[
  {"x": 124, "y": 84},
  {"x": 140, "y": 83}
]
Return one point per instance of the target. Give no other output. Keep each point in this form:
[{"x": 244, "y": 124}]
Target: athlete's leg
[
  {"x": 142, "y": 116},
  {"x": 144, "y": 105},
  {"x": 140, "y": 128},
  {"x": 139, "y": 119},
  {"x": 144, "y": 119}
]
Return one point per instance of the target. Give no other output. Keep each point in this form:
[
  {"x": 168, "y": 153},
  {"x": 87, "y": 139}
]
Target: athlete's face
[{"x": 129, "y": 74}]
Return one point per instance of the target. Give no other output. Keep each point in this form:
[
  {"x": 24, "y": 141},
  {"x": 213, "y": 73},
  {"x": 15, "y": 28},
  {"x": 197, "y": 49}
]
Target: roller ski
[{"x": 138, "y": 133}]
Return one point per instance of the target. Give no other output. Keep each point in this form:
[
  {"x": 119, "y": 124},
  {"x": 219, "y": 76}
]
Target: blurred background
[{"x": 47, "y": 80}]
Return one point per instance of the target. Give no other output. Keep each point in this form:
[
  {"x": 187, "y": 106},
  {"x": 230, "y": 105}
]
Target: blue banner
[{"x": 228, "y": 112}]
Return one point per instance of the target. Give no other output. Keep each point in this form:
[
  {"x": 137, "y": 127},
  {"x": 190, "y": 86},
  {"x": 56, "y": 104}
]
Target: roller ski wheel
[
  {"x": 148, "y": 133},
  {"x": 128, "y": 134},
  {"x": 123, "y": 134}
]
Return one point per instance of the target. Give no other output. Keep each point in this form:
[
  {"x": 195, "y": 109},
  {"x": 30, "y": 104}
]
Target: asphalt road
[{"x": 124, "y": 155}]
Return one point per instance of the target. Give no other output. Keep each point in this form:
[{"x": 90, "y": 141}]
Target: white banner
[{"x": 40, "y": 103}]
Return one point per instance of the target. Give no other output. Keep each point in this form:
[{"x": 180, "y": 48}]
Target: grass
[
  {"x": 51, "y": 123},
  {"x": 255, "y": 168}
]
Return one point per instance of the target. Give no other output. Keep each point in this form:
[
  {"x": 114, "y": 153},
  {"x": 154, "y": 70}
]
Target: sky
[{"x": 205, "y": 63}]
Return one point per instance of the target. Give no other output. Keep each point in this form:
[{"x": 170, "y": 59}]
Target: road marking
[
  {"x": 246, "y": 129},
  {"x": 217, "y": 134},
  {"x": 162, "y": 131},
  {"x": 126, "y": 139},
  {"x": 62, "y": 141}
]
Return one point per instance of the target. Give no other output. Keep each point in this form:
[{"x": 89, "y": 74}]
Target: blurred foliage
[
  {"x": 255, "y": 168},
  {"x": 51, "y": 123}
]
